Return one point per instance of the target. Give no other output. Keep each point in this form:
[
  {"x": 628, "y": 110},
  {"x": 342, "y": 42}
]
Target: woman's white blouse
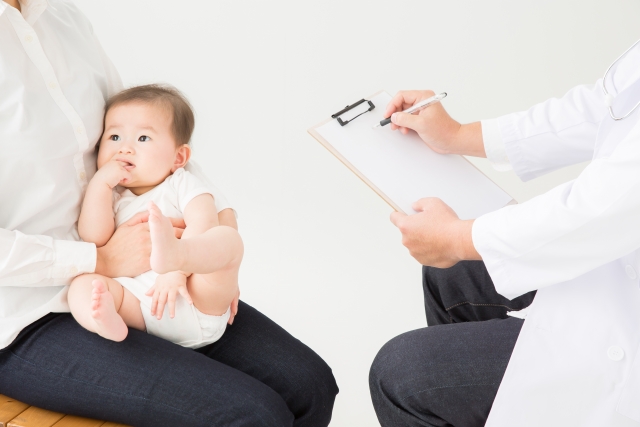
[
  {"x": 579, "y": 225},
  {"x": 54, "y": 81}
]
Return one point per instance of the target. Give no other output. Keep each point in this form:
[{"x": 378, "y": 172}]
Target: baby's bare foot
[
  {"x": 165, "y": 248},
  {"x": 108, "y": 322}
]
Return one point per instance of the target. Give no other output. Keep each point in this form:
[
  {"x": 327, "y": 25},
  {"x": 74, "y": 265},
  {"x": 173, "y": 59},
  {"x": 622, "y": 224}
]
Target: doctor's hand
[
  {"x": 433, "y": 124},
  {"x": 435, "y": 236}
]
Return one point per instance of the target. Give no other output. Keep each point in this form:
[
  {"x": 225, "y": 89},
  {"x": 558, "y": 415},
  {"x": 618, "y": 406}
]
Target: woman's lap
[{"x": 149, "y": 381}]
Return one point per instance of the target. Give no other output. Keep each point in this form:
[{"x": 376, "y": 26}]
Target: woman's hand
[
  {"x": 166, "y": 290},
  {"x": 233, "y": 309},
  {"x": 434, "y": 125},
  {"x": 127, "y": 253},
  {"x": 435, "y": 236}
]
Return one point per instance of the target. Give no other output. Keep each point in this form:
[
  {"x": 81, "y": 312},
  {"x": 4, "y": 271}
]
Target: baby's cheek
[{"x": 103, "y": 156}]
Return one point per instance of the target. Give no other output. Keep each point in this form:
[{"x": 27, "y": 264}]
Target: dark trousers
[
  {"x": 255, "y": 375},
  {"x": 448, "y": 373}
]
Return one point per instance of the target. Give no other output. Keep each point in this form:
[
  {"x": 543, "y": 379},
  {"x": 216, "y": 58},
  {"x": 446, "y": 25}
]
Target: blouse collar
[{"x": 31, "y": 9}]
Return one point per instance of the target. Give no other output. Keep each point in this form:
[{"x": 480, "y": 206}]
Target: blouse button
[
  {"x": 28, "y": 38},
  {"x": 52, "y": 85},
  {"x": 73, "y": 271},
  {"x": 82, "y": 175},
  {"x": 79, "y": 130}
]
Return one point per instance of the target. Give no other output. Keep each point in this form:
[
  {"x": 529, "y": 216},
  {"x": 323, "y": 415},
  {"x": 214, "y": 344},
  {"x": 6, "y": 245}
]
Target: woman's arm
[{"x": 36, "y": 260}]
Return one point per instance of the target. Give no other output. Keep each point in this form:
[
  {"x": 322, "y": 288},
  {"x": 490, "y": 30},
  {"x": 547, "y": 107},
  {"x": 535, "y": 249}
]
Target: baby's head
[{"x": 148, "y": 128}]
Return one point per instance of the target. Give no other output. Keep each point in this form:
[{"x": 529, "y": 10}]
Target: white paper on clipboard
[{"x": 403, "y": 169}]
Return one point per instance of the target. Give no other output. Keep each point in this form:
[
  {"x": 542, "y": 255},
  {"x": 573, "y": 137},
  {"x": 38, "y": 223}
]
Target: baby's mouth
[{"x": 127, "y": 164}]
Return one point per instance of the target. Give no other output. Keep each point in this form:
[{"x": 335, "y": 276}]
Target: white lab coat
[{"x": 577, "y": 359}]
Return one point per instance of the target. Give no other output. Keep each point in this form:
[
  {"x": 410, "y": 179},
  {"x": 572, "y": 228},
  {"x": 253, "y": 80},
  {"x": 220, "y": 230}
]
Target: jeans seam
[
  {"x": 482, "y": 305},
  {"x": 446, "y": 386},
  {"x": 103, "y": 387}
]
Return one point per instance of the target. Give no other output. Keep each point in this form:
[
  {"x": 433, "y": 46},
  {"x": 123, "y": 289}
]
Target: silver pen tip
[{"x": 377, "y": 125}]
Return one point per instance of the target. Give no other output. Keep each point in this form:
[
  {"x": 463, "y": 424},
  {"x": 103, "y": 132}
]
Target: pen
[{"x": 419, "y": 106}]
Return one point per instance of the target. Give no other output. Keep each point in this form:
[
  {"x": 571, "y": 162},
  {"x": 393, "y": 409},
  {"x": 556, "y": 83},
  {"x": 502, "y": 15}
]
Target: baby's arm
[
  {"x": 97, "y": 221},
  {"x": 200, "y": 215},
  {"x": 219, "y": 252}
]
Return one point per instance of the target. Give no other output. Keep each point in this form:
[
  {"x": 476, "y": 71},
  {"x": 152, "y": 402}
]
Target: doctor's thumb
[{"x": 405, "y": 120}]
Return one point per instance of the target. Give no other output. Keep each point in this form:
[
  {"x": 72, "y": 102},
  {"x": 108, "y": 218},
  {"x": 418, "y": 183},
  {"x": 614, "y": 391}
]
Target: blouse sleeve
[{"x": 36, "y": 260}]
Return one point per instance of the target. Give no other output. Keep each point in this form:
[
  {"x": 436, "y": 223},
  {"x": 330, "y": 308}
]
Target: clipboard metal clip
[{"x": 351, "y": 107}]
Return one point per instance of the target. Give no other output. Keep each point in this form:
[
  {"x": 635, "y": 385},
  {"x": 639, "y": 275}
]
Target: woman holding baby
[{"x": 55, "y": 80}]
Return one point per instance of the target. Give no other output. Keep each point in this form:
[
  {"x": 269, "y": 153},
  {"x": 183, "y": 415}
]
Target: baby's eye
[
  {"x": 114, "y": 137},
  {"x": 144, "y": 138}
]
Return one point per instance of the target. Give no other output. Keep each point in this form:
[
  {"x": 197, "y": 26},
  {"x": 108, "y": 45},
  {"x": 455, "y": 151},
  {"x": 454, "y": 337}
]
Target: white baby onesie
[{"x": 190, "y": 327}]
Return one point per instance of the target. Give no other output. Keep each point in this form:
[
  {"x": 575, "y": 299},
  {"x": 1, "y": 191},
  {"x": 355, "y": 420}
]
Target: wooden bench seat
[{"x": 18, "y": 414}]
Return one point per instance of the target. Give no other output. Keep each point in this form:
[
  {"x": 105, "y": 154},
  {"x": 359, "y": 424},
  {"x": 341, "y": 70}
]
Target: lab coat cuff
[
  {"x": 71, "y": 259},
  {"x": 492, "y": 250},
  {"x": 494, "y": 145}
]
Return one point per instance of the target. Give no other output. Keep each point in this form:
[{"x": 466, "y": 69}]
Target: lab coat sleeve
[
  {"x": 494, "y": 145},
  {"x": 568, "y": 231},
  {"x": 33, "y": 261},
  {"x": 548, "y": 136}
]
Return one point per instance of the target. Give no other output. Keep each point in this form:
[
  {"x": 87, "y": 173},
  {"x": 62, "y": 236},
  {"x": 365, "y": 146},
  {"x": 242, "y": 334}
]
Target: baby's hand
[
  {"x": 165, "y": 290},
  {"x": 113, "y": 173}
]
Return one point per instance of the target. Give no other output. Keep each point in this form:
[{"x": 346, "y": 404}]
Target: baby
[{"x": 141, "y": 157}]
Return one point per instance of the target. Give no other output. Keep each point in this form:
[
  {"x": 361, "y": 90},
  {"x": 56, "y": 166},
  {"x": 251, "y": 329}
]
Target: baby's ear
[{"x": 183, "y": 154}]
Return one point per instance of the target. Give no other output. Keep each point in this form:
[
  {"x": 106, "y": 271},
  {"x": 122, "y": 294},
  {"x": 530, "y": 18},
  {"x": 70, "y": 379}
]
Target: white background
[{"x": 322, "y": 258}]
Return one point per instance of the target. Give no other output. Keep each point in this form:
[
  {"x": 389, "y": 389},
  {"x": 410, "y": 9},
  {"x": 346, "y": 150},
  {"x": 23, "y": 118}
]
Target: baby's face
[{"x": 139, "y": 134}]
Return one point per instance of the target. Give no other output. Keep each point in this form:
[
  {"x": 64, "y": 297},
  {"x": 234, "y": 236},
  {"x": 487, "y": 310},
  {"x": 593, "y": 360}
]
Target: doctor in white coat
[{"x": 574, "y": 360}]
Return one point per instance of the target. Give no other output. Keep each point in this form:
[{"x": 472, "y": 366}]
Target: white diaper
[{"x": 189, "y": 328}]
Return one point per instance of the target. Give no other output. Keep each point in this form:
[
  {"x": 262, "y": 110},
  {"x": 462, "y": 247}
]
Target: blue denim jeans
[
  {"x": 448, "y": 374},
  {"x": 255, "y": 375}
]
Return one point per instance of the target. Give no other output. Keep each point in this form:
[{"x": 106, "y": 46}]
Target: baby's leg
[
  {"x": 103, "y": 306},
  {"x": 213, "y": 256},
  {"x": 213, "y": 293}
]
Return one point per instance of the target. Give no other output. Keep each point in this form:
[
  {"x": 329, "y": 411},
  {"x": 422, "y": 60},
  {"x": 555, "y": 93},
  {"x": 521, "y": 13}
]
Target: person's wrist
[
  {"x": 468, "y": 140},
  {"x": 463, "y": 248}
]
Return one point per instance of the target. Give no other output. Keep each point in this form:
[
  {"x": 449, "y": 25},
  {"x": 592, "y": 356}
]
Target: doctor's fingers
[
  {"x": 405, "y": 99},
  {"x": 398, "y": 219},
  {"x": 406, "y": 121}
]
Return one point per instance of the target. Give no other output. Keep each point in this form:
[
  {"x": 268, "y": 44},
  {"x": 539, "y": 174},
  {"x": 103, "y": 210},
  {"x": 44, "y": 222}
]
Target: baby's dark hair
[{"x": 167, "y": 96}]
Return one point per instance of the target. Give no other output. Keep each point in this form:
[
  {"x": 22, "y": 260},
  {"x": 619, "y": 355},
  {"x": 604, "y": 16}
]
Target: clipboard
[{"x": 402, "y": 168}]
